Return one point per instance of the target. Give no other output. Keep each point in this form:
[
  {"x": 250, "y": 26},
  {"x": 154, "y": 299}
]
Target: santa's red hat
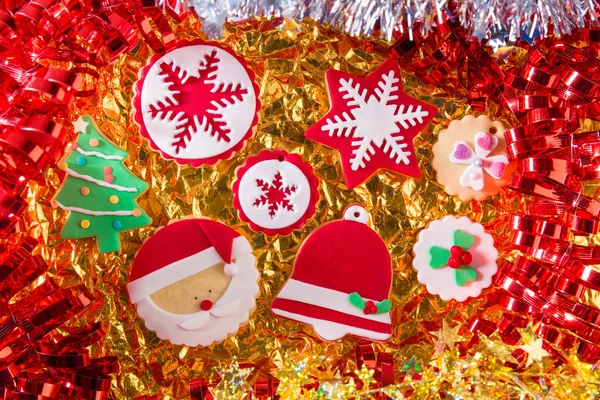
[{"x": 180, "y": 250}]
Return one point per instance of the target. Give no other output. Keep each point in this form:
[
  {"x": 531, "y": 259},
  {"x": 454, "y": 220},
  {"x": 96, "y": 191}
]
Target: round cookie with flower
[
  {"x": 455, "y": 258},
  {"x": 469, "y": 158}
]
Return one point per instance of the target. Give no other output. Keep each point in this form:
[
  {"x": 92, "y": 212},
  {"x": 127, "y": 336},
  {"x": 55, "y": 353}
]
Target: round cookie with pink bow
[
  {"x": 470, "y": 160},
  {"x": 194, "y": 282}
]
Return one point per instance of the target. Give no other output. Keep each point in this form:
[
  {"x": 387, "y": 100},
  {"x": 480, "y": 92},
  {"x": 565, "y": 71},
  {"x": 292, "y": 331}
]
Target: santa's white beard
[{"x": 243, "y": 286}]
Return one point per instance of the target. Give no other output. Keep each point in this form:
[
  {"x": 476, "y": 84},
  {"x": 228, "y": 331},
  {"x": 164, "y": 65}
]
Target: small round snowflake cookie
[
  {"x": 469, "y": 158},
  {"x": 455, "y": 258},
  {"x": 275, "y": 192},
  {"x": 196, "y": 104}
]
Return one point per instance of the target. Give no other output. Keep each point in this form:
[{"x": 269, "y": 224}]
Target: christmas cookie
[
  {"x": 99, "y": 191},
  {"x": 341, "y": 281},
  {"x": 455, "y": 258},
  {"x": 372, "y": 123},
  {"x": 275, "y": 192},
  {"x": 194, "y": 282},
  {"x": 196, "y": 104},
  {"x": 469, "y": 158}
]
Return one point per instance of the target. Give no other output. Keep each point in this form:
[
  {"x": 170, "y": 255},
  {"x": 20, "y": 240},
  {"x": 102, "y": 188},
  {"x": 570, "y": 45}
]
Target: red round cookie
[
  {"x": 275, "y": 192},
  {"x": 196, "y": 104}
]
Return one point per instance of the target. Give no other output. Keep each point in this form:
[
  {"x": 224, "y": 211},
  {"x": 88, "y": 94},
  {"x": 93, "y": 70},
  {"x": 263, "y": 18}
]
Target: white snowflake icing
[{"x": 374, "y": 120}]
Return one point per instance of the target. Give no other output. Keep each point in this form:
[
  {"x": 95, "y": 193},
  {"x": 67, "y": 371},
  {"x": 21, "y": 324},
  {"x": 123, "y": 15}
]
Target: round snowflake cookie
[
  {"x": 455, "y": 258},
  {"x": 196, "y": 104},
  {"x": 275, "y": 192},
  {"x": 194, "y": 282},
  {"x": 469, "y": 158}
]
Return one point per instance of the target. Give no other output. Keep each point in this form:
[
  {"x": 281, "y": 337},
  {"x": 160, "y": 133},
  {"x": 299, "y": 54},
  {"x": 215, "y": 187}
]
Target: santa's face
[{"x": 205, "y": 307}]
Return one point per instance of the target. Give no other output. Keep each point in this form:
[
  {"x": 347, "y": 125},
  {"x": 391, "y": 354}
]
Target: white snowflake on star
[{"x": 374, "y": 120}]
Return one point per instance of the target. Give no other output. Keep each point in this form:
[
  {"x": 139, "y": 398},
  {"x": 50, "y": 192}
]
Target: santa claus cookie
[
  {"x": 455, "y": 258},
  {"x": 469, "y": 158},
  {"x": 275, "y": 192},
  {"x": 194, "y": 282},
  {"x": 196, "y": 104},
  {"x": 341, "y": 281}
]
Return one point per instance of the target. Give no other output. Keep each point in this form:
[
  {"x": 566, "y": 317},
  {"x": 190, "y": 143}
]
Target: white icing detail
[
  {"x": 198, "y": 321},
  {"x": 98, "y": 154},
  {"x": 266, "y": 170},
  {"x": 327, "y": 298},
  {"x": 181, "y": 269},
  {"x": 242, "y": 288},
  {"x": 478, "y": 161},
  {"x": 99, "y": 182},
  {"x": 374, "y": 121},
  {"x": 230, "y": 269},
  {"x": 238, "y": 115},
  {"x": 331, "y": 330},
  {"x": 91, "y": 212},
  {"x": 80, "y": 125},
  {"x": 441, "y": 281},
  {"x": 356, "y": 213}
]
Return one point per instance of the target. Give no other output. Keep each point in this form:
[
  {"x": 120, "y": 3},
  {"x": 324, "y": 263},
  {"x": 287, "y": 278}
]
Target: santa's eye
[
  {"x": 196, "y": 298},
  {"x": 209, "y": 291}
]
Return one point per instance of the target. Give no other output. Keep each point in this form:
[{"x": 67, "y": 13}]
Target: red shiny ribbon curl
[
  {"x": 553, "y": 88},
  {"x": 38, "y": 362},
  {"x": 382, "y": 363},
  {"x": 556, "y": 87},
  {"x": 89, "y": 35}
]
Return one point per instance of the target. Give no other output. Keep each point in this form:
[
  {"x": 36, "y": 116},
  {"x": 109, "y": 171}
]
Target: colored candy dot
[
  {"x": 455, "y": 262},
  {"x": 63, "y": 165},
  {"x": 107, "y": 170},
  {"x": 74, "y": 146},
  {"x": 54, "y": 203},
  {"x": 85, "y": 224},
  {"x": 117, "y": 224},
  {"x": 94, "y": 142},
  {"x": 137, "y": 212},
  {"x": 114, "y": 199},
  {"x": 84, "y": 191},
  {"x": 80, "y": 161},
  {"x": 109, "y": 178}
]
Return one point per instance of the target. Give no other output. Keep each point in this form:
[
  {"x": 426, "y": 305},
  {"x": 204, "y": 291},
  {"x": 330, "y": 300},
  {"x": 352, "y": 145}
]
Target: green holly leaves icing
[
  {"x": 463, "y": 239},
  {"x": 440, "y": 257},
  {"x": 356, "y": 300},
  {"x": 464, "y": 275},
  {"x": 369, "y": 307}
]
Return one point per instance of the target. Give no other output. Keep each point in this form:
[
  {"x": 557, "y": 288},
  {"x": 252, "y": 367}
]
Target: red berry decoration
[
  {"x": 456, "y": 251},
  {"x": 466, "y": 258},
  {"x": 369, "y": 308},
  {"x": 455, "y": 262}
]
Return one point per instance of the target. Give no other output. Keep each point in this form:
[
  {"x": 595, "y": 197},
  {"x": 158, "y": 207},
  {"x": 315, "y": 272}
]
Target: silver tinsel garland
[{"x": 500, "y": 19}]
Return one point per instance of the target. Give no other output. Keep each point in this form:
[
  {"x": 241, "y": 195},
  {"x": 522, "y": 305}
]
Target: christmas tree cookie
[
  {"x": 99, "y": 191},
  {"x": 469, "y": 158},
  {"x": 455, "y": 258},
  {"x": 341, "y": 281}
]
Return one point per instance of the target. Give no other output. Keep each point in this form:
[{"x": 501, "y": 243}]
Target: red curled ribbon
[{"x": 381, "y": 363}]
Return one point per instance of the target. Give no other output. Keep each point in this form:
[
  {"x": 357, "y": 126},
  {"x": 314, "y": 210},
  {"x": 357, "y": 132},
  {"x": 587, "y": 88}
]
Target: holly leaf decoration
[
  {"x": 463, "y": 239},
  {"x": 383, "y": 307},
  {"x": 439, "y": 257},
  {"x": 464, "y": 275},
  {"x": 356, "y": 300}
]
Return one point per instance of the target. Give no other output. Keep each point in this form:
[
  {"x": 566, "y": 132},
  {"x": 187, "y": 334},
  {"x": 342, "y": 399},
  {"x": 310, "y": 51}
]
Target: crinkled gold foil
[{"x": 290, "y": 61}]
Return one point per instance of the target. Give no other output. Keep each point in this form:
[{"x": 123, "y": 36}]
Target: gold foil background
[{"x": 289, "y": 61}]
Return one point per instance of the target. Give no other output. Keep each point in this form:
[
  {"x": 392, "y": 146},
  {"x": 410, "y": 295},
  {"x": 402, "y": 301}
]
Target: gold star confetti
[
  {"x": 295, "y": 372},
  {"x": 534, "y": 350},
  {"x": 233, "y": 385},
  {"x": 499, "y": 349},
  {"x": 365, "y": 375},
  {"x": 448, "y": 336}
]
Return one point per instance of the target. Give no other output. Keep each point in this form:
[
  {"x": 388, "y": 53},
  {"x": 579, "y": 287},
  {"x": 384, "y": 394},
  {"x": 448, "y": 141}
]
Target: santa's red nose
[{"x": 206, "y": 305}]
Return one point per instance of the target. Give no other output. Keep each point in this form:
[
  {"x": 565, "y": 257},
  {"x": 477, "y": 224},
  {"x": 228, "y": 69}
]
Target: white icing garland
[
  {"x": 98, "y": 154},
  {"x": 99, "y": 182},
  {"x": 96, "y": 213}
]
